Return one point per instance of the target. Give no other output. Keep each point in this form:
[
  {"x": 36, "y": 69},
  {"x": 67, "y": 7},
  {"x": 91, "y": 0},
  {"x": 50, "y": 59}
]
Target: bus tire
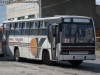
[
  {"x": 46, "y": 59},
  {"x": 76, "y": 62},
  {"x": 17, "y": 56}
]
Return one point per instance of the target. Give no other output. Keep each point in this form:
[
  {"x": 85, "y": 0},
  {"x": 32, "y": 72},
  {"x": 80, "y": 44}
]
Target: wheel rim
[{"x": 17, "y": 55}]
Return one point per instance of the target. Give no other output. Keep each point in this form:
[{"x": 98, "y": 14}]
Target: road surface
[{"x": 32, "y": 67}]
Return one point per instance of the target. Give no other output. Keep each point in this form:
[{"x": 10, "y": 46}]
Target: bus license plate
[{"x": 79, "y": 57}]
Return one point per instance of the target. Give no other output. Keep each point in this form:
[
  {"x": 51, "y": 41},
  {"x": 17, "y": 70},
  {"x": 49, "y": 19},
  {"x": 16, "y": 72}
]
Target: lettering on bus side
[
  {"x": 19, "y": 39},
  {"x": 10, "y": 39}
]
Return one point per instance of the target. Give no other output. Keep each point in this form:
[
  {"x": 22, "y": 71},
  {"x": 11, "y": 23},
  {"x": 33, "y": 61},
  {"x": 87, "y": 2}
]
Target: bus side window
[
  {"x": 11, "y": 31},
  {"x": 17, "y": 29},
  {"x": 34, "y": 28},
  {"x": 25, "y": 28},
  {"x": 42, "y": 28}
]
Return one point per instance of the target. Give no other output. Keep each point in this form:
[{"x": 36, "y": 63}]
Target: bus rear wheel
[
  {"x": 76, "y": 62},
  {"x": 46, "y": 59},
  {"x": 17, "y": 56}
]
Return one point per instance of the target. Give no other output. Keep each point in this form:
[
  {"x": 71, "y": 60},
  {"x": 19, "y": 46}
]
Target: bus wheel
[
  {"x": 17, "y": 56},
  {"x": 76, "y": 62},
  {"x": 46, "y": 59}
]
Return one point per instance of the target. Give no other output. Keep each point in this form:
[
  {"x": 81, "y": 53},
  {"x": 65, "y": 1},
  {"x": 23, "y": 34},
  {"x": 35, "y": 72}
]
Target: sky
[
  {"x": 98, "y": 2},
  {"x": 3, "y": 11}
]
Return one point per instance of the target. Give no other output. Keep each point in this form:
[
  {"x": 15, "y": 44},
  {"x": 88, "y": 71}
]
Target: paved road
[{"x": 31, "y": 67}]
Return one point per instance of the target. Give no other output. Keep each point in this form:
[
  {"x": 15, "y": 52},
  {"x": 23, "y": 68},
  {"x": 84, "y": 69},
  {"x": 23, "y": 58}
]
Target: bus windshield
[{"x": 77, "y": 33}]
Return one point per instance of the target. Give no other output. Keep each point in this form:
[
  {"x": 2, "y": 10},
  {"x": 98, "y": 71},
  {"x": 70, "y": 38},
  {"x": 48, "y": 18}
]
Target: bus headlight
[
  {"x": 64, "y": 52},
  {"x": 91, "y": 52}
]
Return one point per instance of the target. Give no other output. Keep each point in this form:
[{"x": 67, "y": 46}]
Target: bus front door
[{"x": 53, "y": 30}]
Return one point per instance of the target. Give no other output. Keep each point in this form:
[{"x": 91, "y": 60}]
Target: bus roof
[{"x": 47, "y": 18}]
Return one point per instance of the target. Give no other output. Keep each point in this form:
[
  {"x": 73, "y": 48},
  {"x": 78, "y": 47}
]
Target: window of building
[
  {"x": 31, "y": 16},
  {"x": 21, "y": 18},
  {"x": 10, "y": 19}
]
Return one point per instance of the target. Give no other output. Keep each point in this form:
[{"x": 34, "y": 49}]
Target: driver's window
[{"x": 74, "y": 33}]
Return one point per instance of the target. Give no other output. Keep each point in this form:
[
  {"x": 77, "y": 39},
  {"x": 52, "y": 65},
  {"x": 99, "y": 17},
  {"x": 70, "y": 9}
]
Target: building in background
[
  {"x": 69, "y": 7},
  {"x": 49, "y": 8},
  {"x": 19, "y": 11}
]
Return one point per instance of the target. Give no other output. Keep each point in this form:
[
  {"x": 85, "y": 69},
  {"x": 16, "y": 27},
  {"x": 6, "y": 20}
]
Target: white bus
[{"x": 62, "y": 38}]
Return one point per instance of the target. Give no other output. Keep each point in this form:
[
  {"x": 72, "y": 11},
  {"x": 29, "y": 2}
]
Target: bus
[
  {"x": 1, "y": 35},
  {"x": 51, "y": 39}
]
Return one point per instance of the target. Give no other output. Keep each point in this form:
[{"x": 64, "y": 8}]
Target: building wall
[
  {"x": 56, "y": 7},
  {"x": 70, "y": 7},
  {"x": 16, "y": 10}
]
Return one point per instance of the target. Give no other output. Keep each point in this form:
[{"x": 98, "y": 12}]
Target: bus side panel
[
  {"x": 24, "y": 46},
  {"x": 11, "y": 46},
  {"x": 49, "y": 48},
  {"x": 42, "y": 45},
  {"x": 37, "y": 45},
  {"x": 32, "y": 46}
]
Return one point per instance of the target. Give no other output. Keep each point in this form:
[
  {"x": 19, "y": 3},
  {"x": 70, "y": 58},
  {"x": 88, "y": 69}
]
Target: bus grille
[{"x": 78, "y": 52}]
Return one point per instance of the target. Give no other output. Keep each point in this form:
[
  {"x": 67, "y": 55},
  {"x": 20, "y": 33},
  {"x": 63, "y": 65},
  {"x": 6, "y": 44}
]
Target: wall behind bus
[{"x": 69, "y": 7}]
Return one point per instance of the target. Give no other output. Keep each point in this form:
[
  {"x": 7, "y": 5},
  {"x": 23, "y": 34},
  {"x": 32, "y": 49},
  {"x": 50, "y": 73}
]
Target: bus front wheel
[
  {"x": 76, "y": 62},
  {"x": 46, "y": 59}
]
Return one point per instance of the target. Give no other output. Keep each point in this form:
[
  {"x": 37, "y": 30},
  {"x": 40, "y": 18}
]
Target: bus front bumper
[{"x": 77, "y": 57}]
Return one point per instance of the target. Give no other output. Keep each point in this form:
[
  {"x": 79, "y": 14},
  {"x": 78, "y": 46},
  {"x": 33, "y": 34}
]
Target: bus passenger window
[
  {"x": 32, "y": 25},
  {"x": 36, "y": 25},
  {"x": 25, "y": 31},
  {"x": 28, "y": 25},
  {"x": 45, "y": 24},
  {"x": 17, "y": 32},
  {"x": 41, "y": 24},
  {"x": 23, "y": 25},
  {"x": 33, "y": 32},
  {"x": 20, "y": 25},
  {"x": 12, "y": 26},
  {"x": 42, "y": 31},
  {"x": 16, "y": 25},
  {"x": 11, "y": 32}
]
